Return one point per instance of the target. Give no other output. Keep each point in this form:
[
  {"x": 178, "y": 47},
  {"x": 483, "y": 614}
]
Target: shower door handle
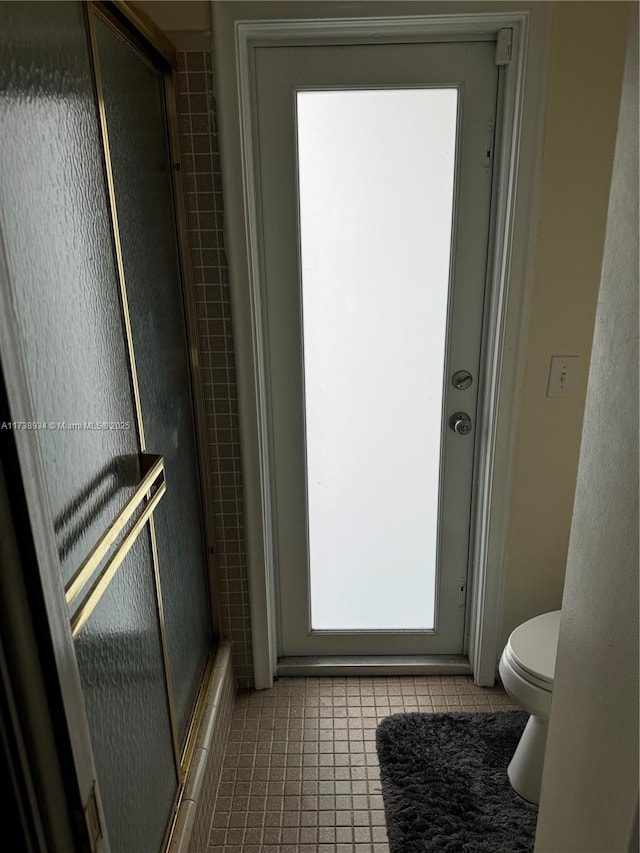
[{"x": 151, "y": 488}]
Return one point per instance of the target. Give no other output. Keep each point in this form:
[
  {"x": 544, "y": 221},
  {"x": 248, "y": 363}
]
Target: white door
[{"x": 374, "y": 174}]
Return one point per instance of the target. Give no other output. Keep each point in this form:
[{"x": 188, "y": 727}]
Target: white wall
[
  {"x": 588, "y": 45},
  {"x": 177, "y": 15},
  {"x": 590, "y": 784},
  {"x": 187, "y": 23}
]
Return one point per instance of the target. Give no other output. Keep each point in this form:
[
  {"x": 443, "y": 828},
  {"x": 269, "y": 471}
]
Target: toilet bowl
[{"x": 527, "y": 667}]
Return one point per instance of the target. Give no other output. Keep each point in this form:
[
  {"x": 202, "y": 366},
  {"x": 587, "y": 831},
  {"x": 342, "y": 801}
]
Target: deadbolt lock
[
  {"x": 460, "y": 423},
  {"x": 462, "y": 380}
]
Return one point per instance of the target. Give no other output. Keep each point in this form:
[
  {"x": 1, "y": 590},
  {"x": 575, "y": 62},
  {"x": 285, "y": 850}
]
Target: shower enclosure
[{"x": 98, "y": 381}]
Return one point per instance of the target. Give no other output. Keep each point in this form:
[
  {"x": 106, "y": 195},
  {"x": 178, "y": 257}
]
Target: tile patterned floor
[{"x": 300, "y": 773}]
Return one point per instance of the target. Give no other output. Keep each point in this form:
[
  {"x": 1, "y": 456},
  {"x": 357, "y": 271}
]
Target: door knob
[{"x": 460, "y": 423}]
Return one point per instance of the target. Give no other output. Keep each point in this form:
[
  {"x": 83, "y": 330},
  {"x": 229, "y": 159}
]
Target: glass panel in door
[
  {"x": 57, "y": 238},
  {"x": 133, "y": 98},
  {"x": 375, "y": 173},
  {"x": 122, "y": 673}
]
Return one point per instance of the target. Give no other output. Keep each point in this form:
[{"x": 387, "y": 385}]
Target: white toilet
[{"x": 527, "y": 667}]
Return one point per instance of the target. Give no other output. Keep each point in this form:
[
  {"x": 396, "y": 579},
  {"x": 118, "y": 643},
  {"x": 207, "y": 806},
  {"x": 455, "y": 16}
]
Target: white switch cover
[{"x": 562, "y": 375}]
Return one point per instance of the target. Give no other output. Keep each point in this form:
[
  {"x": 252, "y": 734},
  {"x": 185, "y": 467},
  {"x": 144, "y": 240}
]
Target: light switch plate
[{"x": 562, "y": 375}]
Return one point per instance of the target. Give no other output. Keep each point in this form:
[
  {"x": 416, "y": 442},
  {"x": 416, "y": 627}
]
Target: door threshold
[{"x": 369, "y": 665}]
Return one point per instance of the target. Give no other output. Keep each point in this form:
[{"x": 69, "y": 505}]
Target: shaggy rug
[{"x": 445, "y": 784}]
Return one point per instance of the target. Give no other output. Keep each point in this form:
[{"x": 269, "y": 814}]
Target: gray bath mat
[{"x": 445, "y": 784}]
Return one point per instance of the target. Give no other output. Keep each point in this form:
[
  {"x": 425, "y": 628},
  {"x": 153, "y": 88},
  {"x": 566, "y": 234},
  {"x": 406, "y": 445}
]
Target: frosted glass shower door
[
  {"x": 375, "y": 188},
  {"x": 133, "y": 93},
  {"x": 57, "y": 236}
]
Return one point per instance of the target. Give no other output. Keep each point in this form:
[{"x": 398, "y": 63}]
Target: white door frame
[{"x": 238, "y": 29}]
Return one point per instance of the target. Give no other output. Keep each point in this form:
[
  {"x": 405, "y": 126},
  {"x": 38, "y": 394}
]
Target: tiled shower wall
[{"x": 203, "y": 188}]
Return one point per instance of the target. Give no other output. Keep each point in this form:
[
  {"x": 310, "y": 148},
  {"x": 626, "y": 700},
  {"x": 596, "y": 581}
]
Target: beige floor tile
[{"x": 300, "y": 772}]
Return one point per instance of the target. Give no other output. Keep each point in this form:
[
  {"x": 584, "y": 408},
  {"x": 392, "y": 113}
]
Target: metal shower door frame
[{"x": 58, "y": 628}]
